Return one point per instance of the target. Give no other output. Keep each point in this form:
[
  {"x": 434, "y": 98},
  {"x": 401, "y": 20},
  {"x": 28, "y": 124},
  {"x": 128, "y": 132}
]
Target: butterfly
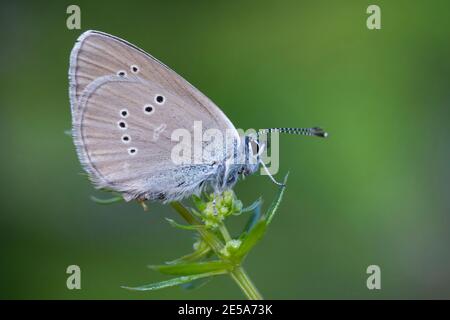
[{"x": 126, "y": 106}]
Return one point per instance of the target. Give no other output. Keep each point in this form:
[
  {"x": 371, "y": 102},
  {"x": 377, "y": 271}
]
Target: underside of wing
[{"x": 125, "y": 107}]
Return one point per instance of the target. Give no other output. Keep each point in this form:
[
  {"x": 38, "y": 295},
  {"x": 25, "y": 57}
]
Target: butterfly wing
[{"x": 123, "y": 131}]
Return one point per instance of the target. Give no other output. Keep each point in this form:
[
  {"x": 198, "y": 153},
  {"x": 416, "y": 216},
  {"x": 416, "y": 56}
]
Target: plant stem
[
  {"x": 224, "y": 231},
  {"x": 238, "y": 273},
  {"x": 243, "y": 281}
]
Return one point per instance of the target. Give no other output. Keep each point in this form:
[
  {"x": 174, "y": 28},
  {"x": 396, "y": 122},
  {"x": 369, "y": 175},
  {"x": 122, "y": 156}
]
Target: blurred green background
[{"x": 376, "y": 192}]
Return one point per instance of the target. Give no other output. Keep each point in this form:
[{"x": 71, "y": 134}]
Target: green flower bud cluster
[
  {"x": 217, "y": 207},
  {"x": 230, "y": 248}
]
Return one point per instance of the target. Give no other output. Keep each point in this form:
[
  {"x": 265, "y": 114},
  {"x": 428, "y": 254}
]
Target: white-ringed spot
[
  {"x": 121, "y": 73},
  {"x": 122, "y": 125},
  {"x": 124, "y": 113},
  {"x": 126, "y": 138},
  {"x": 149, "y": 109},
  {"x": 132, "y": 151},
  {"x": 159, "y": 99},
  {"x": 134, "y": 69}
]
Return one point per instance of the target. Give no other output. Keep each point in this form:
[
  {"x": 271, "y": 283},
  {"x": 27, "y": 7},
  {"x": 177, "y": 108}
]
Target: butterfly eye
[
  {"x": 132, "y": 151},
  {"x": 124, "y": 113},
  {"x": 134, "y": 69},
  {"x": 148, "y": 109},
  {"x": 122, "y": 125},
  {"x": 159, "y": 99},
  {"x": 231, "y": 179},
  {"x": 121, "y": 73}
]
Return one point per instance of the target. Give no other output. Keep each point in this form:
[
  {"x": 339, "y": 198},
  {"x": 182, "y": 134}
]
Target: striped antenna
[{"x": 316, "y": 131}]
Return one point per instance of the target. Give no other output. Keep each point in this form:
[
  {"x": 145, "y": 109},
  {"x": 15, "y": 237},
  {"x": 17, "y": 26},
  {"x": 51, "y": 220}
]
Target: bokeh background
[{"x": 376, "y": 192}]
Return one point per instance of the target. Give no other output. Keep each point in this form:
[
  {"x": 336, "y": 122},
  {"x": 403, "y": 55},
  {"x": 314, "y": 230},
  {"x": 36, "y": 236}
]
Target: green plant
[{"x": 216, "y": 252}]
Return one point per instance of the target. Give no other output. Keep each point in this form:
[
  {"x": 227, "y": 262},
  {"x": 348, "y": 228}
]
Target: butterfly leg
[{"x": 143, "y": 204}]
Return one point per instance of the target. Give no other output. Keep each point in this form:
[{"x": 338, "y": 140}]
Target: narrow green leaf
[
  {"x": 68, "y": 132},
  {"x": 184, "y": 212},
  {"x": 196, "y": 283},
  {"x": 111, "y": 191},
  {"x": 196, "y": 213},
  {"x": 175, "y": 224},
  {"x": 254, "y": 217},
  {"x": 194, "y": 256},
  {"x": 273, "y": 208},
  {"x": 172, "y": 282},
  {"x": 252, "y": 238},
  {"x": 253, "y": 206},
  {"x": 107, "y": 201},
  {"x": 192, "y": 268}
]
